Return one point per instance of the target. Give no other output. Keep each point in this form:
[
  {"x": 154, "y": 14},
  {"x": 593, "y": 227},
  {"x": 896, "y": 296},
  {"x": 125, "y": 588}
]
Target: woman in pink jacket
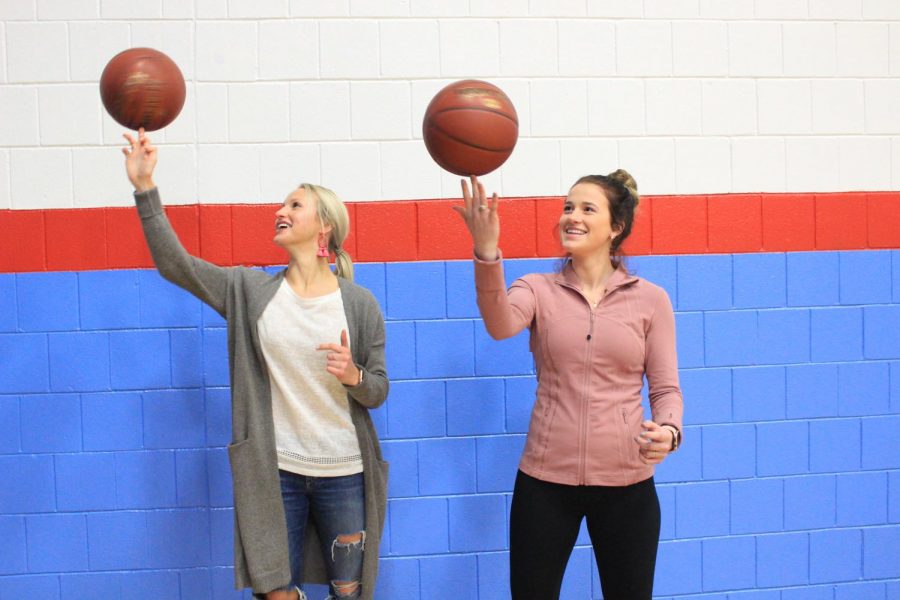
[{"x": 596, "y": 332}]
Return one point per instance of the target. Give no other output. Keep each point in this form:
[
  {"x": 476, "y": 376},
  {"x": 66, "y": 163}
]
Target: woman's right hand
[
  {"x": 480, "y": 216},
  {"x": 140, "y": 160}
]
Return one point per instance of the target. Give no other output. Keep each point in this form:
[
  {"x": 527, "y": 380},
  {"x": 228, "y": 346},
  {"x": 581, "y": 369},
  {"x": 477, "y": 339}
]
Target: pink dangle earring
[{"x": 322, "y": 251}]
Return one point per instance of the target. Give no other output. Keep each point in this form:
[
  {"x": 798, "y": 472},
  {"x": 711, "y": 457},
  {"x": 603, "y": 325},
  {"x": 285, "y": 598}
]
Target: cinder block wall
[{"x": 763, "y": 134}]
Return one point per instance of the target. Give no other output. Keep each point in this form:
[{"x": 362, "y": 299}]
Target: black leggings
[{"x": 623, "y": 523}]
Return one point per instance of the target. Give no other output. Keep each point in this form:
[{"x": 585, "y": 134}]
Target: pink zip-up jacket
[{"x": 590, "y": 368}]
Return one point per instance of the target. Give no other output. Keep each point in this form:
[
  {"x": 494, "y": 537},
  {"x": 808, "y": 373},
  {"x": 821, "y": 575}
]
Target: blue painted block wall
[{"x": 114, "y": 417}]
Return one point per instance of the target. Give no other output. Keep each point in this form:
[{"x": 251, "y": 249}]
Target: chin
[{"x": 579, "y": 251}]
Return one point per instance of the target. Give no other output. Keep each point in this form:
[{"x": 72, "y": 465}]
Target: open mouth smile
[{"x": 574, "y": 231}]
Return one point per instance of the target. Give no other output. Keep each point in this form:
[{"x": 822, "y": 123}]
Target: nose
[{"x": 282, "y": 210}]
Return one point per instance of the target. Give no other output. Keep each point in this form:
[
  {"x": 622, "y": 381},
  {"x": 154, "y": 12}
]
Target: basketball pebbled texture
[
  {"x": 470, "y": 127},
  {"x": 142, "y": 87}
]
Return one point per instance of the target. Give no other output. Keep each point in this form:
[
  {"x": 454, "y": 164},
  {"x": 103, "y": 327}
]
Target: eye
[
  {"x": 567, "y": 208},
  {"x": 295, "y": 204},
  {"x": 589, "y": 209}
]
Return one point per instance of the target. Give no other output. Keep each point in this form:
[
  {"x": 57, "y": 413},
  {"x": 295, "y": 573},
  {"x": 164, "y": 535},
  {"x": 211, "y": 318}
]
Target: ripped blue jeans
[{"x": 337, "y": 507}]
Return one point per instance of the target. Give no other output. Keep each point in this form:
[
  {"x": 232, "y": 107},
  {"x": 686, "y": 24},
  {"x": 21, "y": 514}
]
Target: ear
[
  {"x": 323, "y": 226},
  {"x": 617, "y": 229}
]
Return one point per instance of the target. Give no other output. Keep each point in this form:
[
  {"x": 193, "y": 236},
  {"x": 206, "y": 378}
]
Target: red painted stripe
[{"x": 110, "y": 238}]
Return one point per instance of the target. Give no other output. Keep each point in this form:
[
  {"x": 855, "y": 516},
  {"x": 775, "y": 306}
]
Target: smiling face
[
  {"x": 297, "y": 221},
  {"x": 585, "y": 225}
]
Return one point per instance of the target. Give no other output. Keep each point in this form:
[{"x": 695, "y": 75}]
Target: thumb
[{"x": 344, "y": 341}]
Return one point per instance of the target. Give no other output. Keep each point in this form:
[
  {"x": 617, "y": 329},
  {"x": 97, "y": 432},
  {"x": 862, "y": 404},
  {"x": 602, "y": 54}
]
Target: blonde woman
[{"x": 306, "y": 350}]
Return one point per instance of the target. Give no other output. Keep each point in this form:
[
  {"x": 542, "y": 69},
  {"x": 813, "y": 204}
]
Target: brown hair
[{"x": 621, "y": 191}]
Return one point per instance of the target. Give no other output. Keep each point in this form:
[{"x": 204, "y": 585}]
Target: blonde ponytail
[
  {"x": 343, "y": 264},
  {"x": 332, "y": 211}
]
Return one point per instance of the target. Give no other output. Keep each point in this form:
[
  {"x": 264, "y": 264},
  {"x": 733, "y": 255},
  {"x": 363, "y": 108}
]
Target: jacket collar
[{"x": 620, "y": 277}]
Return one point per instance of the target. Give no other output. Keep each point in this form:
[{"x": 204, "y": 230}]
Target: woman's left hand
[
  {"x": 655, "y": 442},
  {"x": 340, "y": 362}
]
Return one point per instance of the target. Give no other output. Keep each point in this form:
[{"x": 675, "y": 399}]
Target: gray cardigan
[{"x": 240, "y": 295}]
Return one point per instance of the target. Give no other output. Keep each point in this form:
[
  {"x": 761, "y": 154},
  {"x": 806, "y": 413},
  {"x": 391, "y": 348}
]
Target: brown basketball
[
  {"x": 470, "y": 127},
  {"x": 142, "y": 87}
]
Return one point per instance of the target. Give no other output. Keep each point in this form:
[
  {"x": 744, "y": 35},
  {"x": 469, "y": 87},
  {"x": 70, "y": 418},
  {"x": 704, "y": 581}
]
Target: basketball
[
  {"x": 470, "y": 127},
  {"x": 142, "y": 87}
]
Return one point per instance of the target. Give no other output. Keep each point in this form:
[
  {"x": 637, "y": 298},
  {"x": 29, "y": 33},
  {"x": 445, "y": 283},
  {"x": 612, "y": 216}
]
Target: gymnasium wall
[{"x": 764, "y": 137}]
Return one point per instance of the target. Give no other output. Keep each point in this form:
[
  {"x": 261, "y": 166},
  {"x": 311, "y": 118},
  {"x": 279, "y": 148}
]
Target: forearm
[
  {"x": 206, "y": 281},
  {"x": 169, "y": 255},
  {"x": 502, "y": 317},
  {"x": 668, "y": 409},
  {"x": 372, "y": 391},
  {"x": 661, "y": 366}
]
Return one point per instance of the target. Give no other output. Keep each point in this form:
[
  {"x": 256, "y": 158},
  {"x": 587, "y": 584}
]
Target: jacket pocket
[{"x": 629, "y": 422}]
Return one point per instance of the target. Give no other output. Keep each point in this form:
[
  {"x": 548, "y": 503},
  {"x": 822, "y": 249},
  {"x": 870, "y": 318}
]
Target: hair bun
[{"x": 625, "y": 178}]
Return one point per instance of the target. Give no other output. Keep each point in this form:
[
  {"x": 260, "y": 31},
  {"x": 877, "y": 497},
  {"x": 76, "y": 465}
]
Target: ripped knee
[
  {"x": 344, "y": 589},
  {"x": 351, "y": 538},
  {"x": 349, "y": 541}
]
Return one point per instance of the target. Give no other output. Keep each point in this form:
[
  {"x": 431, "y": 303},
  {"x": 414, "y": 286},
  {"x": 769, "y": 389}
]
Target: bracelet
[
  {"x": 358, "y": 381},
  {"x": 676, "y": 436}
]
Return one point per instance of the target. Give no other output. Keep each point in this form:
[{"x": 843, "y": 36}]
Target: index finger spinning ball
[
  {"x": 470, "y": 127},
  {"x": 142, "y": 87}
]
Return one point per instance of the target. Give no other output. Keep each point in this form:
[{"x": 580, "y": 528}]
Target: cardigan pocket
[
  {"x": 383, "y": 468},
  {"x": 254, "y": 472},
  {"x": 259, "y": 512}
]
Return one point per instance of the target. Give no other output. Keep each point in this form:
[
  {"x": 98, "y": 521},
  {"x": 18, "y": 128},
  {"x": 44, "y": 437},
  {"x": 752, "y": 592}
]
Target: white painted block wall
[{"x": 691, "y": 96}]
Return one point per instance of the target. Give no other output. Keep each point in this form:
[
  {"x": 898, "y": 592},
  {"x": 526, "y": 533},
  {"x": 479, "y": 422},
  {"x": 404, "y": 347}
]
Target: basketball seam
[
  {"x": 468, "y": 143},
  {"x": 482, "y": 108}
]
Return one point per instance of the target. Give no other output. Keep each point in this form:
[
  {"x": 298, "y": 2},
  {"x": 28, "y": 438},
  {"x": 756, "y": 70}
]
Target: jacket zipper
[{"x": 582, "y": 459}]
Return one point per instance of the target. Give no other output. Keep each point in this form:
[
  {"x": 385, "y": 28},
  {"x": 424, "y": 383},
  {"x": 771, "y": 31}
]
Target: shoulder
[
  {"x": 358, "y": 296},
  {"x": 537, "y": 280},
  {"x": 648, "y": 288},
  {"x": 254, "y": 275},
  {"x": 654, "y": 295},
  {"x": 533, "y": 278}
]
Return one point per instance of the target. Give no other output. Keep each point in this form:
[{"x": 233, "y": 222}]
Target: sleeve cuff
[
  {"x": 488, "y": 262},
  {"x": 148, "y": 203},
  {"x": 489, "y": 274}
]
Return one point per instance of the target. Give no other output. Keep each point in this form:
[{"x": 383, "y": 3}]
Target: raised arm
[
  {"x": 203, "y": 279},
  {"x": 504, "y": 313}
]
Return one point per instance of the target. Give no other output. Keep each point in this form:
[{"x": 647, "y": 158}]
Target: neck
[
  {"x": 593, "y": 270},
  {"x": 306, "y": 272}
]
